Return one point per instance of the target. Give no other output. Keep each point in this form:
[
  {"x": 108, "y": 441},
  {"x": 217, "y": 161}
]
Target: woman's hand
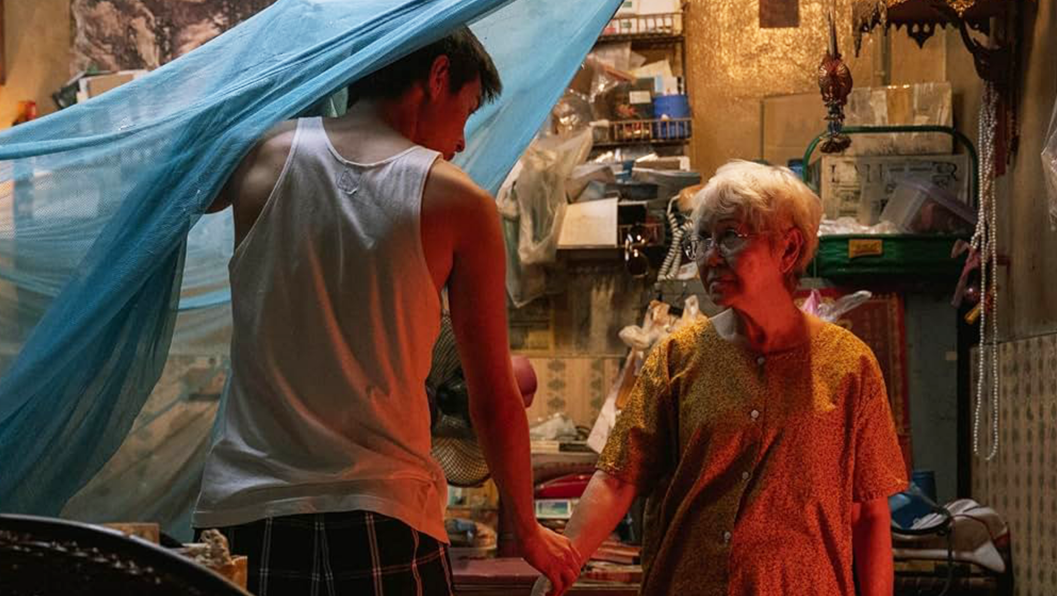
[{"x": 542, "y": 587}]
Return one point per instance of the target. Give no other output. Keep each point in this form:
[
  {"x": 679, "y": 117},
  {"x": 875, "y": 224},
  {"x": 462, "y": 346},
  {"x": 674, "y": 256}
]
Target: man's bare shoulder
[
  {"x": 449, "y": 178},
  {"x": 259, "y": 170},
  {"x": 276, "y": 143},
  {"x": 448, "y": 187}
]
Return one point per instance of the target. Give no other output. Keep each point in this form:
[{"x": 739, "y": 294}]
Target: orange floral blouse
[{"x": 752, "y": 463}]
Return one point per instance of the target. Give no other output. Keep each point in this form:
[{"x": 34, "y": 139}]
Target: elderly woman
[{"x": 762, "y": 436}]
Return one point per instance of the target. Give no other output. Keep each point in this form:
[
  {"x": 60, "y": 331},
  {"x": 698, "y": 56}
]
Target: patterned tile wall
[
  {"x": 1021, "y": 482},
  {"x": 574, "y": 385}
]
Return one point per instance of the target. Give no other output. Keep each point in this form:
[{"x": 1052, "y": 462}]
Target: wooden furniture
[{"x": 40, "y": 556}]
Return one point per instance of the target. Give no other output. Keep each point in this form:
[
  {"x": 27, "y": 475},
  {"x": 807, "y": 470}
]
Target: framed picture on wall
[{"x": 170, "y": 30}]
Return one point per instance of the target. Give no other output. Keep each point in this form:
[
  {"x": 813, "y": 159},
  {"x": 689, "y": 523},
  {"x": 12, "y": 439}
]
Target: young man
[{"x": 346, "y": 231}]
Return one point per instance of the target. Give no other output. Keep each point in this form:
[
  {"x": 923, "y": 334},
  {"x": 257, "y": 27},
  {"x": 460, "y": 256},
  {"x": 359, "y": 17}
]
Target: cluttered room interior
[{"x": 499, "y": 297}]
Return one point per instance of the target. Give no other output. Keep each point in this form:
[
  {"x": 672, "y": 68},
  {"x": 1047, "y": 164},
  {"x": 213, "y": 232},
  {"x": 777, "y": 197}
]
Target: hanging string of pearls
[{"x": 985, "y": 243}]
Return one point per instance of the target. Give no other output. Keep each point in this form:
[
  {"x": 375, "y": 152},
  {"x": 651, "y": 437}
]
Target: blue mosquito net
[{"x": 114, "y": 315}]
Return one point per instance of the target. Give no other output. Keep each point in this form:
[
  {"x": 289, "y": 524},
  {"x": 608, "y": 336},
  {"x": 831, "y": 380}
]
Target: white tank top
[{"x": 335, "y": 317}]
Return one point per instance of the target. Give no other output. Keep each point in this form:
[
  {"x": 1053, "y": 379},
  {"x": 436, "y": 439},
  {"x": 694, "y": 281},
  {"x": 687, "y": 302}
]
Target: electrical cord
[
  {"x": 945, "y": 528},
  {"x": 679, "y": 230}
]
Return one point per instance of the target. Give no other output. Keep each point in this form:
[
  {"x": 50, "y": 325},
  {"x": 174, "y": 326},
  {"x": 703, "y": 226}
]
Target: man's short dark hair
[{"x": 468, "y": 60}]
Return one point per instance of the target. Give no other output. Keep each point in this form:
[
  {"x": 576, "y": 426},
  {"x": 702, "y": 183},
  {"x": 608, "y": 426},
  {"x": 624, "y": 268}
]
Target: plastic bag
[
  {"x": 657, "y": 324},
  {"x": 654, "y": 326},
  {"x": 524, "y": 283},
  {"x": 540, "y": 193},
  {"x": 571, "y": 114},
  {"x": 556, "y": 428},
  {"x": 607, "y": 416},
  {"x": 916, "y": 104},
  {"x": 831, "y": 312},
  {"x": 532, "y": 201},
  {"x": 1049, "y": 166},
  {"x": 850, "y": 225}
]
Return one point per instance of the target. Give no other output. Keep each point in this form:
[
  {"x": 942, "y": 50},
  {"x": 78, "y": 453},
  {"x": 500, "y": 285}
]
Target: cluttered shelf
[
  {"x": 659, "y": 29},
  {"x": 654, "y": 131},
  {"x": 651, "y": 142},
  {"x": 635, "y": 103}
]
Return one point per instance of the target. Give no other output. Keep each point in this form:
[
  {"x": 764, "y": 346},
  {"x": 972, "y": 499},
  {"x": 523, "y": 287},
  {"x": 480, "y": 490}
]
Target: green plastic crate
[{"x": 918, "y": 256}]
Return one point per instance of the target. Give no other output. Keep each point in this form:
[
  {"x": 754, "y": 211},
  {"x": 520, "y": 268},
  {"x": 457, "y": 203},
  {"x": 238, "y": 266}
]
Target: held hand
[
  {"x": 554, "y": 556},
  {"x": 542, "y": 587}
]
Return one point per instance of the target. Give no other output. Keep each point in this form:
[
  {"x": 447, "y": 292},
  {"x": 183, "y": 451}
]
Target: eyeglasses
[{"x": 728, "y": 242}]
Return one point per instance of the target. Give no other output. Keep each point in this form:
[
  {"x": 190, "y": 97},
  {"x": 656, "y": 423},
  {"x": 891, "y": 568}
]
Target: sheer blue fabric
[{"x": 108, "y": 270}]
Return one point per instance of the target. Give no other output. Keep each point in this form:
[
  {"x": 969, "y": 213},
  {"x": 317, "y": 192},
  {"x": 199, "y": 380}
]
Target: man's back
[
  {"x": 335, "y": 315},
  {"x": 444, "y": 233}
]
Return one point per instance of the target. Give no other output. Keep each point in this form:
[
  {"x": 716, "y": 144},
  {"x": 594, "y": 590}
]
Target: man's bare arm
[{"x": 466, "y": 216}]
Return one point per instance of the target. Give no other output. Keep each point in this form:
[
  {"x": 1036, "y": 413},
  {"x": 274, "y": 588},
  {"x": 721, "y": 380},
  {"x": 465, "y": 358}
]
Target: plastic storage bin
[
  {"x": 920, "y": 207},
  {"x": 906, "y": 256},
  {"x": 672, "y": 111}
]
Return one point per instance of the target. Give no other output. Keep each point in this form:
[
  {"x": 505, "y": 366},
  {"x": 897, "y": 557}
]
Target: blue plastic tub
[{"x": 671, "y": 107}]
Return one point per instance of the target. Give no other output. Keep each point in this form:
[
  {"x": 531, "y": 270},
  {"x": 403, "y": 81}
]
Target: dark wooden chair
[{"x": 40, "y": 556}]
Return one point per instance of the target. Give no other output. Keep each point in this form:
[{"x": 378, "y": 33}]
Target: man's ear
[
  {"x": 439, "y": 77},
  {"x": 794, "y": 247}
]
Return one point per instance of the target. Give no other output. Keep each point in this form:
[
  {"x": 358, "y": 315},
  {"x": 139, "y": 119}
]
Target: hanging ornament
[{"x": 835, "y": 83}]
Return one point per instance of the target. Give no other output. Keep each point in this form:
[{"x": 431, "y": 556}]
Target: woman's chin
[
  {"x": 719, "y": 297},
  {"x": 721, "y": 292}
]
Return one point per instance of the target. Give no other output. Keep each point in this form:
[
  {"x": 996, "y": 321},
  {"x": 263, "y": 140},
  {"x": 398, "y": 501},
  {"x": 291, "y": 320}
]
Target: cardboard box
[
  {"x": 658, "y": 6},
  {"x": 790, "y": 122},
  {"x": 236, "y": 571},
  {"x": 919, "y": 104},
  {"x": 628, "y": 8},
  {"x": 94, "y": 86},
  {"x": 592, "y": 224},
  {"x": 860, "y": 187}
]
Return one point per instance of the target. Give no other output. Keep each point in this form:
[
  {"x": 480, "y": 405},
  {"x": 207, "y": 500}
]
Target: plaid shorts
[{"x": 333, "y": 554}]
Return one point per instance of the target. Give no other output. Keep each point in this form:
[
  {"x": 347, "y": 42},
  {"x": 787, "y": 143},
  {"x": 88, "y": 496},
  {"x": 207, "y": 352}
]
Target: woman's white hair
[{"x": 764, "y": 198}]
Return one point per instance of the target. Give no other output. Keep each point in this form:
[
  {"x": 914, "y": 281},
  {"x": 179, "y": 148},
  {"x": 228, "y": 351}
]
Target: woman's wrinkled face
[{"x": 737, "y": 265}]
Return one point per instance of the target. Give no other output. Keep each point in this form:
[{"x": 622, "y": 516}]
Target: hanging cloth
[{"x": 97, "y": 201}]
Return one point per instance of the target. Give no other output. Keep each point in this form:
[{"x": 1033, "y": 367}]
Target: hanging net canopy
[{"x": 114, "y": 315}]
